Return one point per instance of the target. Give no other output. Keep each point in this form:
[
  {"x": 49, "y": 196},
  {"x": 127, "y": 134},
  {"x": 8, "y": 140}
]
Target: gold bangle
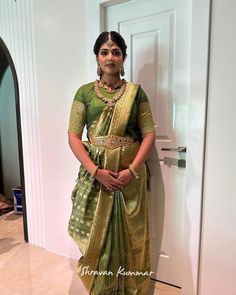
[
  {"x": 133, "y": 172},
  {"x": 95, "y": 171}
]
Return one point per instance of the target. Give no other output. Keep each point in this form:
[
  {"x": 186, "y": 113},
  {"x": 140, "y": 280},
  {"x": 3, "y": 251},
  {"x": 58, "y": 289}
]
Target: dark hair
[{"x": 115, "y": 37}]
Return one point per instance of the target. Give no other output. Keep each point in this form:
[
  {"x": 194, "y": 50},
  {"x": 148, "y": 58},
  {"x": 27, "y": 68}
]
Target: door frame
[
  {"x": 201, "y": 10},
  {"x": 19, "y": 133}
]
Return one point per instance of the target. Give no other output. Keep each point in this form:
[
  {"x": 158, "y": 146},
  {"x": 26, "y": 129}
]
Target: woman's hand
[
  {"x": 109, "y": 179},
  {"x": 125, "y": 177}
]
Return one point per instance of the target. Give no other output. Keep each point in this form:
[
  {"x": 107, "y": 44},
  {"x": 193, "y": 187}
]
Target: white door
[
  {"x": 160, "y": 35},
  {"x": 157, "y": 34}
]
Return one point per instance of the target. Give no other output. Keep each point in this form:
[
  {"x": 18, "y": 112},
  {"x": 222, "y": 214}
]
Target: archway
[{"x": 5, "y": 61}]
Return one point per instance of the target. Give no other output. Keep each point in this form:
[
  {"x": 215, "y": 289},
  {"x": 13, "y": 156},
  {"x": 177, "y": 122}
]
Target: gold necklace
[
  {"x": 111, "y": 89},
  {"x": 110, "y": 101}
]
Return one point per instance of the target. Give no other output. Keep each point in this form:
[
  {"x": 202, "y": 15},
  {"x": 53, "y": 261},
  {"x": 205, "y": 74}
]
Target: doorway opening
[{"x": 11, "y": 157}]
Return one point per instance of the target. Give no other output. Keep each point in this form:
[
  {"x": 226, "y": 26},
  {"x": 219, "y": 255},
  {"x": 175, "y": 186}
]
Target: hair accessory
[
  {"x": 109, "y": 41},
  {"x": 133, "y": 172},
  {"x": 122, "y": 71}
]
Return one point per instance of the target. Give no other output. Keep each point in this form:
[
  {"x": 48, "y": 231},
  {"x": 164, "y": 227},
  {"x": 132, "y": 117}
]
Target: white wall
[
  {"x": 16, "y": 33},
  {"x": 58, "y": 36},
  {"x": 8, "y": 135},
  {"x": 218, "y": 263},
  {"x": 61, "y": 62}
]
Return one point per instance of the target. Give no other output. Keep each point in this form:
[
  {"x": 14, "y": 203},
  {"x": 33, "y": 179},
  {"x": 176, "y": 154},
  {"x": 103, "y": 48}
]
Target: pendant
[
  {"x": 110, "y": 103},
  {"x": 110, "y": 90}
]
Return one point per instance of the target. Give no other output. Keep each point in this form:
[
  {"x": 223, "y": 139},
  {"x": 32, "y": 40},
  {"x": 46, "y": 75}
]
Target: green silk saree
[{"x": 111, "y": 228}]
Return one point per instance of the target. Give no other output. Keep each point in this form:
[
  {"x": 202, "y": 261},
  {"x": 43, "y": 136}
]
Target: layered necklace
[{"x": 110, "y": 101}]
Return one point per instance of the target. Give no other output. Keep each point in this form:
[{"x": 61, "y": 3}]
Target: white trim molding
[{"x": 16, "y": 32}]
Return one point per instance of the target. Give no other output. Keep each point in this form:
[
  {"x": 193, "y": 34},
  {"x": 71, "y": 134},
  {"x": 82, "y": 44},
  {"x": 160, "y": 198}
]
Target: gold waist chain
[{"x": 111, "y": 141}]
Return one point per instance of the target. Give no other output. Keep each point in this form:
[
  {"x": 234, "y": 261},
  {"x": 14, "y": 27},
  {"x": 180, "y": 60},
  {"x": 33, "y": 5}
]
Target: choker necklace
[
  {"x": 109, "y": 101},
  {"x": 111, "y": 89}
]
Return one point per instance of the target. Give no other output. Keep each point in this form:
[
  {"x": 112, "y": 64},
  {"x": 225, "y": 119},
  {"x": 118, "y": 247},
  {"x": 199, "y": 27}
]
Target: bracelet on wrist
[{"x": 133, "y": 172}]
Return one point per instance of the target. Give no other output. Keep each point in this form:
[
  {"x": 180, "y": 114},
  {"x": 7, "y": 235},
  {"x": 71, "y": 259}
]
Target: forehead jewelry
[{"x": 109, "y": 41}]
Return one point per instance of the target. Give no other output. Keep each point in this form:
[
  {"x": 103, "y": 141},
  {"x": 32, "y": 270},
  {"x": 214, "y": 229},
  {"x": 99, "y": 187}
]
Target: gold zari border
[
  {"x": 77, "y": 118},
  {"x": 146, "y": 123}
]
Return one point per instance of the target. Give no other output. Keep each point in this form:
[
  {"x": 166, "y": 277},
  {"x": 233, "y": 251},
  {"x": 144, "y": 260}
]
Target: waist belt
[{"x": 111, "y": 141}]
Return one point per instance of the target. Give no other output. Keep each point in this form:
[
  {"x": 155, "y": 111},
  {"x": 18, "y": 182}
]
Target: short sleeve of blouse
[
  {"x": 145, "y": 119},
  {"x": 78, "y": 114}
]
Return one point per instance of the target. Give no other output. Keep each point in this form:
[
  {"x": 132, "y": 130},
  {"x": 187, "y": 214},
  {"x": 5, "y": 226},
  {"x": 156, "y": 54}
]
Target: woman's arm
[
  {"x": 106, "y": 177},
  {"x": 146, "y": 145},
  {"x": 80, "y": 152},
  {"x": 144, "y": 150}
]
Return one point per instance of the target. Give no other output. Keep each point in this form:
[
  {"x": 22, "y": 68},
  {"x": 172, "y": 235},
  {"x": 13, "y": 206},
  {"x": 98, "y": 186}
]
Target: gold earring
[
  {"x": 122, "y": 71},
  {"x": 99, "y": 70}
]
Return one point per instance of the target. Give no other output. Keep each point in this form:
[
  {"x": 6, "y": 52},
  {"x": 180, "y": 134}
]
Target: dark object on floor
[
  {"x": 17, "y": 200},
  {"x": 6, "y": 205}
]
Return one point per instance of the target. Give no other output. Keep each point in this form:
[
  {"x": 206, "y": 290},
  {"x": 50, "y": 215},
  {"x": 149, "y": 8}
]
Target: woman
[{"x": 109, "y": 219}]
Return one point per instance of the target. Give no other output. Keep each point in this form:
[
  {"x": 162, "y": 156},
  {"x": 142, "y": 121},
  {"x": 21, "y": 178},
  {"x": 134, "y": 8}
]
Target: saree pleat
[{"x": 111, "y": 228}]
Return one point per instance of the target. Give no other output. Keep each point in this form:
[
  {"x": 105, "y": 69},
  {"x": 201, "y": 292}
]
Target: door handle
[
  {"x": 180, "y": 149},
  {"x": 181, "y": 163}
]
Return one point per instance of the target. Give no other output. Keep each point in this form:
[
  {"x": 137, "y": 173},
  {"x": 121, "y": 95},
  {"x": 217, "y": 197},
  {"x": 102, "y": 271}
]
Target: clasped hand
[{"x": 114, "y": 180}]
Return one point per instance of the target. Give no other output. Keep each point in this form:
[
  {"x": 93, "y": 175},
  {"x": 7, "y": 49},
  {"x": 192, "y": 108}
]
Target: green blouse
[{"x": 87, "y": 107}]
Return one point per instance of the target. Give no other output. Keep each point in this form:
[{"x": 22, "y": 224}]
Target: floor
[{"x": 31, "y": 270}]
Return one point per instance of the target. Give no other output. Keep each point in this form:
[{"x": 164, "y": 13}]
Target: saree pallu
[{"x": 111, "y": 228}]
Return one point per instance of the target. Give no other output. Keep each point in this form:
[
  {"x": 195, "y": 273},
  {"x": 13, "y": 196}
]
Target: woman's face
[{"x": 110, "y": 59}]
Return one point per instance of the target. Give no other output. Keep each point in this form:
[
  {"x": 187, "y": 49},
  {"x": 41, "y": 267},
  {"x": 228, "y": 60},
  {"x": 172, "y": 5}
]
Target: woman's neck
[{"x": 110, "y": 80}]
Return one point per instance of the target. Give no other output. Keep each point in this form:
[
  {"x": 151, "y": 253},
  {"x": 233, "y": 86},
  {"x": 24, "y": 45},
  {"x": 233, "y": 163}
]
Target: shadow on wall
[
  {"x": 157, "y": 202},
  {"x": 156, "y": 196}
]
